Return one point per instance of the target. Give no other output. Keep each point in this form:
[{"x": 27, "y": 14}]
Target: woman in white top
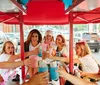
[
  {"x": 8, "y": 54},
  {"x": 84, "y": 57},
  {"x": 33, "y": 42},
  {"x": 62, "y": 47},
  {"x": 61, "y": 51}
]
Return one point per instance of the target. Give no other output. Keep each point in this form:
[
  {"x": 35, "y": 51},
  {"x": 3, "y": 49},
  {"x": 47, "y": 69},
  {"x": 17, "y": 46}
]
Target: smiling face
[
  {"x": 59, "y": 40},
  {"x": 82, "y": 49},
  {"x": 34, "y": 38},
  {"x": 9, "y": 48},
  {"x": 48, "y": 38}
]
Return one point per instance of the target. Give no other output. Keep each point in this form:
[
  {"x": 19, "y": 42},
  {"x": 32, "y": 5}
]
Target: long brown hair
[{"x": 30, "y": 36}]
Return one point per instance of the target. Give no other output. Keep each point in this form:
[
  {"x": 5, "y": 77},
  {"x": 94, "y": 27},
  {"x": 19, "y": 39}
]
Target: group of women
[{"x": 47, "y": 48}]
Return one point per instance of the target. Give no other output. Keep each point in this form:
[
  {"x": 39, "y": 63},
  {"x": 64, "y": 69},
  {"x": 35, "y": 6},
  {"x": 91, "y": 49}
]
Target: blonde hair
[
  {"x": 4, "y": 46},
  {"x": 49, "y": 32},
  {"x": 85, "y": 50}
]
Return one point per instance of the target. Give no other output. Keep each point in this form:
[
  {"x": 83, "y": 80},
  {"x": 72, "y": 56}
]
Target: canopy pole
[
  {"x": 22, "y": 42},
  {"x": 71, "y": 42}
]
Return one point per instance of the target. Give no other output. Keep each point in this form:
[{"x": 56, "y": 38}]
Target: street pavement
[{"x": 96, "y": 56}]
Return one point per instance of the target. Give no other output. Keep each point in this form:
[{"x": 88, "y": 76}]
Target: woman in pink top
[{"x": 50, "y": 44}]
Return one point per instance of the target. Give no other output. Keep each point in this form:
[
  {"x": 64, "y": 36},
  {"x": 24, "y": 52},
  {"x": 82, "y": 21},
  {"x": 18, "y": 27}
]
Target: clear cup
[
  {"x": 44, "y": 47},
  {"x": 34, "y": 61}
]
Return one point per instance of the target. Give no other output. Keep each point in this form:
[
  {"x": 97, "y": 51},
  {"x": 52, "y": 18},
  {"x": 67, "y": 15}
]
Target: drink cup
[
  {"x": 34, "y": 61},
  {"x": 42, "y": 66},
  {"x": 53, "y": 74},
  {"x": 43, "y": 48}
]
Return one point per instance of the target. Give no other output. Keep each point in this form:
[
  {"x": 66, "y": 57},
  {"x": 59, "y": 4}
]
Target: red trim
[
  {"x": 5, "y": 20},
  {"x": 83, "y": 19},
  {"x": 90, "y": 12},
  {"x": 71, "y": 42}
]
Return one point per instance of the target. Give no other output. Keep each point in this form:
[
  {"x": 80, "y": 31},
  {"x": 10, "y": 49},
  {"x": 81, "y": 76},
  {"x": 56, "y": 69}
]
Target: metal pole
[
  {"x": 22, "y": 42},
  {"x": 71, "y": 42},
  {"x": 70, "y": 46}
]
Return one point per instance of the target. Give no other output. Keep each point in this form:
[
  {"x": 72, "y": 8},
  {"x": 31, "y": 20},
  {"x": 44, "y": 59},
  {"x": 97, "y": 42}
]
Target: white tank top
[{"x": 4, "y": 72}]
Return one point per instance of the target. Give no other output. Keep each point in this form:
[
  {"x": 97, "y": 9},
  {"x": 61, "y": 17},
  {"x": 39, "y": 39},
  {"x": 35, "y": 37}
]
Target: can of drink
[
  {"x": 42, "y": 66},
  {"x": 40, "y": 51},
  {"x": 53, "y": 74}
]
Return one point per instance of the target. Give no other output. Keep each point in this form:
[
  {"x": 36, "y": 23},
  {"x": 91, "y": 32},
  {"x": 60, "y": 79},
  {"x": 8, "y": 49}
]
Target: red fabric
[
  {"x": 51, "y": 13},
  {"x": 62, "y": 81}
]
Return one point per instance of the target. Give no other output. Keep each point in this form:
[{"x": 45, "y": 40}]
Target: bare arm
[
  {"x": 65, "y": 59},
  {"x": 91, "y": 75},
  {"x": 25, "y": 54},
  {"x": 8, "y": 65},
  {"x": 73, "y": 79}
]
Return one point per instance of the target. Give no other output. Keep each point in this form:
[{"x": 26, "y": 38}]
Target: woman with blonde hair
[
  {"x": 8, "y": 54},
  {"x": 62, "y": 47},
  {"x": 61, "y": 51},
  {"x": 84, "y": 58},
  {"x": 49, "y": 44}
]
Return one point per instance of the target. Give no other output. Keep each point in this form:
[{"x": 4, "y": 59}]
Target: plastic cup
[
  {"x": 44, "y": 47},
  {"x": 34, "y": 61}
]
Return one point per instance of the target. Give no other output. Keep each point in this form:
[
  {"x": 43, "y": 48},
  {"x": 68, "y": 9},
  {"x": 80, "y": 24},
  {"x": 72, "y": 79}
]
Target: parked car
[{"x": 92, "y": 40}]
